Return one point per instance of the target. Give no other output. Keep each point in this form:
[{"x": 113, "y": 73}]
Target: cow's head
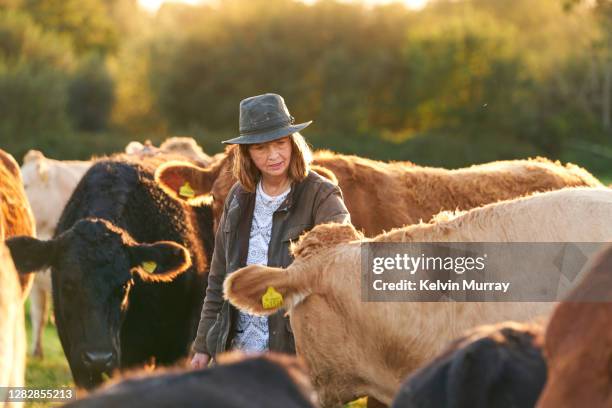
[
  {"x": 247, "y": 287},
  {"x": 321, "y": 291},
  {"x": 197, "y": 185},
  {"x": 95, "y": 266}
]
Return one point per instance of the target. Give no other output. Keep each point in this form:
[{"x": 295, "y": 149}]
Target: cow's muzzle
[{"x": 100, "y": 361}]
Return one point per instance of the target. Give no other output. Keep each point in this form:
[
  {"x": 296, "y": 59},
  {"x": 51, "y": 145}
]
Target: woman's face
[{"x": 272, "y": 158}]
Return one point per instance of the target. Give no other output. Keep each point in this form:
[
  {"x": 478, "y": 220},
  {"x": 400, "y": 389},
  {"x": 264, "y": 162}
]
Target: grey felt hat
[{"x": 264, "y": 118}]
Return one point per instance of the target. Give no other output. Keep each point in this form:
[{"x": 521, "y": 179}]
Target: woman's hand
[{"x": 200, "y": 360}]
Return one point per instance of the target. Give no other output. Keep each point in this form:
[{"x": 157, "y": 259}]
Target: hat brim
[{"x": 267, "y": 136}]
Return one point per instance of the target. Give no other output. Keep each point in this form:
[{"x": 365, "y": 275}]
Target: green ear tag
[
  {"x": 271, "y": 299},
  {"x": 186, "y": 190},
  {"x": 149, "y": 266}
]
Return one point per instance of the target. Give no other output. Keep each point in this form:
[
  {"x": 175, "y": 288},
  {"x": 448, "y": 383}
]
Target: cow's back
[{"x": 401, "y": 193}]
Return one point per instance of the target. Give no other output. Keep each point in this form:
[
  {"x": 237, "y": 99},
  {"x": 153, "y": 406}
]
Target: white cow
[{"x": 48, "y": 184}]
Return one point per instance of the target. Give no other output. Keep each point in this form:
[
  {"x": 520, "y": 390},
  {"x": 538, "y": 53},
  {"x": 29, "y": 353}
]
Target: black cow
[
  {"x": 119, "y": 303},
  {"x": 496, "y": 366},
  {"x": 263, "y": 382}
]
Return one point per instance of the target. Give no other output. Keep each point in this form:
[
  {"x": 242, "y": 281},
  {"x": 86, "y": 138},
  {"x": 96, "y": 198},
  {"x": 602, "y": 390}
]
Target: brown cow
[
  {"x": 12, "y": 329},
  {"x": 17, "y": 215},
  {"x": 356, "y": 348},
  {"x": 381, "y": 196},
  {"x": 578, "y": 344}
]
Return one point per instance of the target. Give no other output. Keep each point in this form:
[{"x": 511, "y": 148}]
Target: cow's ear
[
  {"x": 159, "y": 262},
  {"x": 31, "y": 254},
  {"x": 185, "y": 181},
  {"x": 263, "y": 290}
]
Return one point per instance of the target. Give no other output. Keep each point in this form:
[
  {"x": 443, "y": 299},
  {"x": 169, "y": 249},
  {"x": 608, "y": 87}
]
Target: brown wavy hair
[{"x": 248, "y": 174}]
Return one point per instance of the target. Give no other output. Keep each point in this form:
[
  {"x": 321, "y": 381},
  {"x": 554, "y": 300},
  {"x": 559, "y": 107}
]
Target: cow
[
  {"x": 183, "y": 146},
  {"x": 17, "y": 218},
  {"x": 356, "y": 348},
  {"x": 578, "y": 343},
  {"x": 499, "y": 366},
  {"x": 381, "y": 196},
  {"x": 12, "y": 329},
  {"x": 128, "y": 267},
  {"x": 48, "y": 184},
  {"x": 271, "y": 380}
]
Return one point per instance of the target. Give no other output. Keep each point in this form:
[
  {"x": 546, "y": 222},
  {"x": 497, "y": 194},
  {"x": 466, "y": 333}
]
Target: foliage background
[{"x": 455, "y": 83}]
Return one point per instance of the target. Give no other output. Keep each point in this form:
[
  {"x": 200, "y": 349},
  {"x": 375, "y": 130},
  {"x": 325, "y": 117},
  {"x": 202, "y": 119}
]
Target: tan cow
[
  {"x": 578, "y": 343},
  {"x": 381, "y": 196},
  {"x": 17, "y": 215},
  {"x": 354, "y": 348},
  {"x": 12, "y": 329}
]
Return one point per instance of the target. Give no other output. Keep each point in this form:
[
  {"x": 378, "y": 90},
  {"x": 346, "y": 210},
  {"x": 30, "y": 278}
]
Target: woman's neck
[{"x": 274, "y": 186}]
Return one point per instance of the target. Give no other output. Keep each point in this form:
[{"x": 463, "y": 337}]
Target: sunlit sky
[{"x": 153, "y": 5}]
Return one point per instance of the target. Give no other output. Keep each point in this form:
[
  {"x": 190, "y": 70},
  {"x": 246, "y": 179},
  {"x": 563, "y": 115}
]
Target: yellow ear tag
[
  {"x": 271, "y": 299},
  {"x": 186, "y": 190},
  {"x": 149, "y": 266}
]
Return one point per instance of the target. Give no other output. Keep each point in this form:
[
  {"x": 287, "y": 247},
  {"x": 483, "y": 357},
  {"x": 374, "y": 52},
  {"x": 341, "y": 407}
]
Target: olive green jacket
[{"x": 315, "y": 200}]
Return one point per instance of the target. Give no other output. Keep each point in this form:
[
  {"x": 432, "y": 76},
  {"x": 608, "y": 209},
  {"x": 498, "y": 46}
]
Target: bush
[{"x": 91, "y": 95}]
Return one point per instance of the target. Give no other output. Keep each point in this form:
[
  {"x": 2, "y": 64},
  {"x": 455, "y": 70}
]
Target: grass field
[{"x": 50, "y": 372}]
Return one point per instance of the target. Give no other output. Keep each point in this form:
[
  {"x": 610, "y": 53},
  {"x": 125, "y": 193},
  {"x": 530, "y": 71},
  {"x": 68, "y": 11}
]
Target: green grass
[{"x": 50, "y": 372}]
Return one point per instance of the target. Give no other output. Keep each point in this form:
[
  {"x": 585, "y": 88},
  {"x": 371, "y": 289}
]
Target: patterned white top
[{"x": 252, "y": 331}]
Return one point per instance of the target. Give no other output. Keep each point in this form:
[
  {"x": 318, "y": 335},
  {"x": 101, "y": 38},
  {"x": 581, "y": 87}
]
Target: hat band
[{"x": 276, "y": 125}]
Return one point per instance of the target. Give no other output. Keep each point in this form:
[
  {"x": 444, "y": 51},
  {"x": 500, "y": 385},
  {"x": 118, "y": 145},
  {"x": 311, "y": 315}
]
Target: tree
[
  {"x": 87, "y": 23},
  {"x": 91, "y": 95}
]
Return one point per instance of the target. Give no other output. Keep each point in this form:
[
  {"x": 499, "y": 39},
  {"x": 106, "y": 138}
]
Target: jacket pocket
[{"x": 213, "y": 335}]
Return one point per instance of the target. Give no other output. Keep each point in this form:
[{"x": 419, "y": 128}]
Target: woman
[{"x": 275, "y": 200}]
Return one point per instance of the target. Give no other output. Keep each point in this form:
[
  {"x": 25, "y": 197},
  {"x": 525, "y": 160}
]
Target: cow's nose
[{"x": 98, "y": 360}]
